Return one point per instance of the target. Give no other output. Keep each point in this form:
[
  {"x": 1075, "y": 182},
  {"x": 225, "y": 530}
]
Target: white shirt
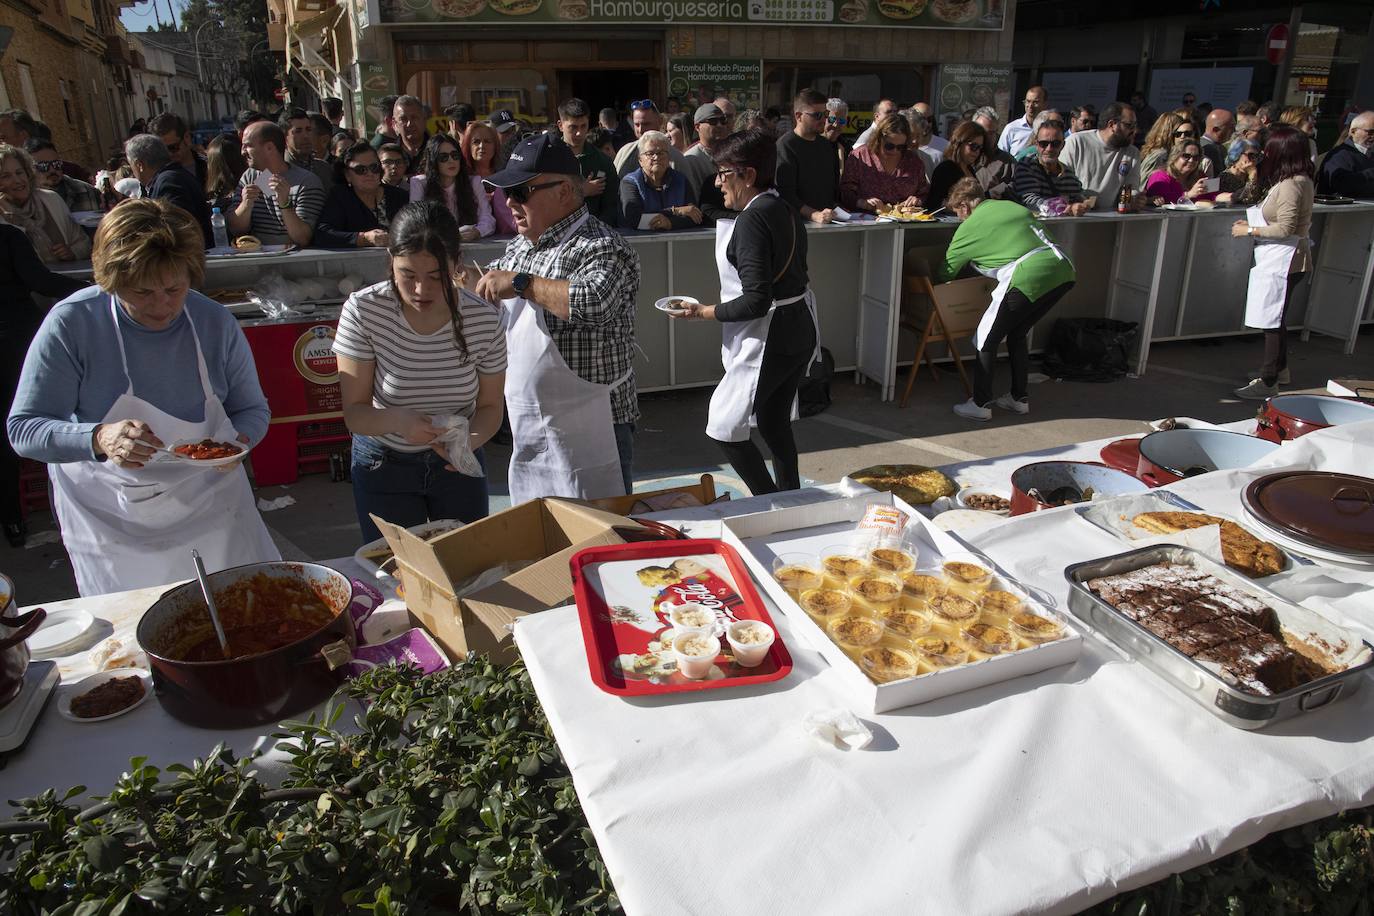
[
  {"x": 1015, "y": 136},
  {"x": 936, "y": 145}
]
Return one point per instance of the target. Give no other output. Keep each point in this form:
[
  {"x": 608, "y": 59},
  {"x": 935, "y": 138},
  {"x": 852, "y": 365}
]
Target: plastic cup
[
  {"x": 1035, "y": 628},
  {"x": 939, "y": 653},
  {"x": 750, "y": 640},
  {"x": 821, "y": 604},
  {"x": 696, "y": 653},
  {"x": 954, "y": 610},
  {"x": 876, "y": 591},
  {"x": 1000, "y": 603},
  {"x": 987, "y": 638},
  {"x": 797, "y": 572},
  {"x": 691, "y": 617},
  {"x": 841, "y": 563},
  {"x": 967, "y": 576},
  {"x": 855, "y": 631},
  {"x": 883, "y": 664},
  {"x": 921, "y": 585},
  {"x": 907, "y": 624},
  {"x": 892, "y": 555}
]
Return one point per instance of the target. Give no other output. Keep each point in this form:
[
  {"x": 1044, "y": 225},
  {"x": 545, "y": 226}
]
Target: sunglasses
[
  {"x": 448, "y": 157},
  {"x": 643, "y": 105},
  {"x": 714, "y": 122},
  {"x": 653, "y": 154},
  {"x": 174, "y": 148},
  {"x": 838, "y": 122},
  {"x": 390, "y": 162},
  {"x": 1185, "y": 133},
  {"x": 1189, "y": 156},
  {"x": 1049, "y": 144},
  {"x": 53, "y": 166},
  {"x": 894, "y": 147},
  {"x": 370, "y": 169},
  {"x": 976, "y": 147},
  {"x": 817, "y": 115},
  {"x": 521, "y": 193}
]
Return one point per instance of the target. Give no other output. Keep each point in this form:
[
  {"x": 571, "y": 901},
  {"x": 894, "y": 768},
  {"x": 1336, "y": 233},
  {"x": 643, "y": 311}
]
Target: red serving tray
[{"x": 630, "y": 639}]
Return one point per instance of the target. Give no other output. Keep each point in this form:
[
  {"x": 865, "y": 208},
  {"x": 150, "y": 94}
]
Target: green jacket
[
  {"x": 605, "y": 206},
  {"x": 997, "y": 233}
]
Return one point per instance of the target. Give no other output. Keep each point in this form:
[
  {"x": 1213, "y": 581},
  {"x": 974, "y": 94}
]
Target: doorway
[{"x": 604, "y": 88}]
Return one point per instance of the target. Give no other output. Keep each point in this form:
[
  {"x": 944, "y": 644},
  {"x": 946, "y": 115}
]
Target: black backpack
[
  {"x": 1089, "y": 349},
  {"x": 813, "y": 395}
]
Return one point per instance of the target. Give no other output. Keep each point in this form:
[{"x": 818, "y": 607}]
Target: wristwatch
[{"x": 520, "y": 283}]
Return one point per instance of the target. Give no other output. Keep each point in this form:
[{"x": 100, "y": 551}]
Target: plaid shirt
[{"x": 598, "y": 338}]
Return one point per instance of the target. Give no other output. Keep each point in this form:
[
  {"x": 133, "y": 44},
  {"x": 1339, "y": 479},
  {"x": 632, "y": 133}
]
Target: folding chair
[{"x": 956, "y": 309}]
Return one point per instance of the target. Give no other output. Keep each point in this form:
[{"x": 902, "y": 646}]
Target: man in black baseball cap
[
  {"x": 568, "y": 283},
  {"x": 508, "y": 126}
]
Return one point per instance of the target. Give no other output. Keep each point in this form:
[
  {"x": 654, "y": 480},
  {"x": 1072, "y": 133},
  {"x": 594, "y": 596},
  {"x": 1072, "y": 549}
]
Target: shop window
[
  {"x": 445, "y": 51},
  {"x": 26, "y": 91},
  {"x": 522, "y": 92},
  {"x": 620, "y": 49},
  {"x": 497, "y": 52},
  {"x": 861, "y": 88},
  {"x": 562, "y": 50}
]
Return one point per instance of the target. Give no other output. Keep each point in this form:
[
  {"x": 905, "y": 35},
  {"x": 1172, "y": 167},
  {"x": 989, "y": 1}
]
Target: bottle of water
[{"x": 218, "y": 227}]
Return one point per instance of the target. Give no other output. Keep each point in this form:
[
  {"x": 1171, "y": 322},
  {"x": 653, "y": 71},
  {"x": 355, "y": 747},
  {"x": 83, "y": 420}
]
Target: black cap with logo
[{"x": 545, "y": 154}]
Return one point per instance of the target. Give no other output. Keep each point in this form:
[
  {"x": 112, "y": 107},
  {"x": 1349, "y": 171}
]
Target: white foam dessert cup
[
  {"x": 690, "y": 617},
  {"x": 696, "y": 653},
  {"x": 750, "y": 640}
]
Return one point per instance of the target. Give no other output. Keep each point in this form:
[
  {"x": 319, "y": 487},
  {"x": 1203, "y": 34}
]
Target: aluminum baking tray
[{"x": 1205, "y": 686}]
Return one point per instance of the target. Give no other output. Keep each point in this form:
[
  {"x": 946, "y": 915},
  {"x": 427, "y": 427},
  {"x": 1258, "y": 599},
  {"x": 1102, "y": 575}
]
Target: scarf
[{"x": 36, "y": 222}]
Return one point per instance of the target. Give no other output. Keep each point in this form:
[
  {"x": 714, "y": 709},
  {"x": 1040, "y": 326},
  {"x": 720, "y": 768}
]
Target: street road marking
[
  {"x": 895, "y": 438},
  {"x": 1200, "y": 376}
]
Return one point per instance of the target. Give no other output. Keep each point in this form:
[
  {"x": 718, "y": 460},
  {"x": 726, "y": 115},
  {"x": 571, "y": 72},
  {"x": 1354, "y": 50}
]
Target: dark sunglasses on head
[
  {"x": 1049, "y": 144},
  {"x": 894, "y": 147},
  {"x": 521, "y": 193},
  {"x": 448, "y": 157},
  {"x": 53, "y": 166},
  {"x": 369, "y": 169},
  {"x": 643, "y": 105}
]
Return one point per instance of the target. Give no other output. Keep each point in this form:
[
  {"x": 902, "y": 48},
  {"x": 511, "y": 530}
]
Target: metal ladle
[{"x": 210, "y": 601}]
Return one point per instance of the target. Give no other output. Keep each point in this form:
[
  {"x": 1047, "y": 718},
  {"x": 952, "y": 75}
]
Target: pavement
[{"x": 1184, "y": 378}]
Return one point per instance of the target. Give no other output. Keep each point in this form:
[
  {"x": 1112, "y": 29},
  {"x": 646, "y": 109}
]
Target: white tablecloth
[
  {"x": 61, "y": 753},
  {"x": 1047, "y": 793}
]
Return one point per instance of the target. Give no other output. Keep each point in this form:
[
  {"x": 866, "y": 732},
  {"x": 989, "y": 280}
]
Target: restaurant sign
[
  {"x": 697, "y": 80},
  {"x": 965, "y": 87},
  {"x": 927, "y": 14}
]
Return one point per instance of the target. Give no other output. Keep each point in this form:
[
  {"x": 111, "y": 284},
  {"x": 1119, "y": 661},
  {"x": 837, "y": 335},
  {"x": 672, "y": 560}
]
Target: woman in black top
[
  {"x": 22, "y": 273},
  {"x": 360, "y": 207},
  {"x": 767, "y": 314}
]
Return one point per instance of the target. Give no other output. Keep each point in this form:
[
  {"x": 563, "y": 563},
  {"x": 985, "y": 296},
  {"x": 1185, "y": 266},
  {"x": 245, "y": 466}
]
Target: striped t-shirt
[{"x": 425, "y": 372}]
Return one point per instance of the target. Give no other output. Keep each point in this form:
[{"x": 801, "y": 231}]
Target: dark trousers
[
  {"x": 1014, "y": 321},
  {"x": 1276, "y": 339},
  {"x": 410, "y": 488},
  {"x": 625, "y": 446},
  {"x": 12, "y": 352},
  {"x": 780, "y": 375}
]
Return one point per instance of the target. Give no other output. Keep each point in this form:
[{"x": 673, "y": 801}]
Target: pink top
[
  {"x": 486, "y": 222},
  {"x": 505, "y": 220},
  {"x": 864, "y": 177},
  {"x": 1163, "y": 184}
]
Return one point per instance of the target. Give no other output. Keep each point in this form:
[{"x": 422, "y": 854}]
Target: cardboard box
[
  {"x": 542, "y": 533},
  {"x": 810, "y": 529}
]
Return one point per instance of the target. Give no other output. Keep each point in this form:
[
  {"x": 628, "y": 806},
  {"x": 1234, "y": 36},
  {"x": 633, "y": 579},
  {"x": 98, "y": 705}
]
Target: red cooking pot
[
  {"x": 1041, "y": 485},
  {"x": 1288, "y": 416},
  {"x": 264, "y": 687},
  {"x": 14, "y": 651},
  {"x": 1173, "y": 454}
]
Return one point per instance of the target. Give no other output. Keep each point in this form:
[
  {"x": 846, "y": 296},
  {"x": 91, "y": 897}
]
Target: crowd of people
[{"x": 433, "y": 356}]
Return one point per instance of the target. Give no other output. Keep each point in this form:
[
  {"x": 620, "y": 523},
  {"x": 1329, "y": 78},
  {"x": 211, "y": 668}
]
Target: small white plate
[
  {"x": 72, "y": 691},
  {"x": 966, "y": 519},
  {"x": 171, "y": 455},
  {"x": 961, "y": 499},
  {"x": 60, "y": 633},
  {"x": 665, "y": 304},
  {"x": 236, "y": 253}
]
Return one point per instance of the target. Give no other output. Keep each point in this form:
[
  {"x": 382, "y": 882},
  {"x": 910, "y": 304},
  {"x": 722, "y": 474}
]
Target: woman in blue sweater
[
  {"x": 657, "y": 196},
  {"x": 122, "y": 370}
]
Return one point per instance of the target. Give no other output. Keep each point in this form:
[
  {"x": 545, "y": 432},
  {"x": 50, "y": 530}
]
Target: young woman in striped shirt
[{"x": 411, "y": 348}]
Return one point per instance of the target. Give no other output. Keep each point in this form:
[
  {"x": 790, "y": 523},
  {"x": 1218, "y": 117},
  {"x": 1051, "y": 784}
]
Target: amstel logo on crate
[{"x": 314, "y": 355}]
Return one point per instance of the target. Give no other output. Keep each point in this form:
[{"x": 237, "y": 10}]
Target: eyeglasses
[
  {"x": 714, "y": 122},
  {"x": 817, "y": 115},
  {"x": 393, "y": 161},
  {"x": 1185, "y": 133},
  {"x": 174, "y": 148},
  {"x": 838, "y": 122},
  {"x": 369, "y": 169},
  {"x": 653, "y": 154},
  {"x": 725, "y": 173},
  {"x": 976, "y": 147},
  {"x": 53, "y": 166},
  {"x": 1189, "y": 156},
  {"x": 521, "y": 193},
  {"x": 895, "y": 147},
  {"x": 1049, "y": 144},
  {"x": 448, "y": 157},
  {"x": 643, "y": 105}
]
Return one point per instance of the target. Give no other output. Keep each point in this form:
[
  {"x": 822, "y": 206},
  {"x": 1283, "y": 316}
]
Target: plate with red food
[
  {"x": 207, "y": 452},
  {"x": 105, "y": 694}
]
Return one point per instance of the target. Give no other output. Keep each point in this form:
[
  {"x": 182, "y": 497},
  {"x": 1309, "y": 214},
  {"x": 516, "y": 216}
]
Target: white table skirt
[{"x": 1043, "y": 794}]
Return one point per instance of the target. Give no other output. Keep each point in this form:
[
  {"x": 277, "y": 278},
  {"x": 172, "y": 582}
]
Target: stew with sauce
[
  {"x": 206, "y": 449},
  {"x": 258, "y": 614}
]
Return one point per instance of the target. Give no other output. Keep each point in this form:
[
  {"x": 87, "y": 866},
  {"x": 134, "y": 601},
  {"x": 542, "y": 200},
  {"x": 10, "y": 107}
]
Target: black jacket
[
  {"x": 768, "y": 250},
  {"x": 344, "y": 216},
  {"x": 174, "y": 184},
  {"x": 1347, "y": 171},
  {"x": 22, "y": 273}
]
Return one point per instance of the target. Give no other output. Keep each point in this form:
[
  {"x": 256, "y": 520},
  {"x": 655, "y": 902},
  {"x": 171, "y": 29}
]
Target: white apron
[
  {"x": 731, "y": 414},
  {"x": 1003, "y": 277},
  {"x": 1268, "y": 276},
  {"x": 561, "y": 424},
  {"x": 128, "y": 528}
]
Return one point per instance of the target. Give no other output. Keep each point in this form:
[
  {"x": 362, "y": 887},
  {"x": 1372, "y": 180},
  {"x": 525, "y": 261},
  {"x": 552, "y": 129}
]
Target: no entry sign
[{"x": 1276, "y": 43}]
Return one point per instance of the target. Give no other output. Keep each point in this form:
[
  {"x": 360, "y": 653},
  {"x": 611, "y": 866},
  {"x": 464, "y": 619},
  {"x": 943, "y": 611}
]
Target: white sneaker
[
  {"x": 1007, "y": 402},
  {"x": 971, "y": 411},
  {"x": 1257, "y": 391}
]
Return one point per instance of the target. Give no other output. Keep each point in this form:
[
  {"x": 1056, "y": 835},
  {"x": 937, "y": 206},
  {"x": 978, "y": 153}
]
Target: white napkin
[{"x": 837, "y": 728}]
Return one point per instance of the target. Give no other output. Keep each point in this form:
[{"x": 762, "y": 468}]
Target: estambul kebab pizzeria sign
[{"x": 926, "y": 14}]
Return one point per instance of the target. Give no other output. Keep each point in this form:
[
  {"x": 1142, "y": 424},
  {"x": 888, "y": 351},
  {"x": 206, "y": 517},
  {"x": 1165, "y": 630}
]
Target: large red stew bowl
[
  {"x": 1288, "y": 416},
  {"x": 265, "y": 687},
  {"x": 1044, "y": 477}
]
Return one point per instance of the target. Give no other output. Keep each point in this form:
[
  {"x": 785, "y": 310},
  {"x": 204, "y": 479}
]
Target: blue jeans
[
  {"x": 625, "y": 445},
  {"x": 409, "y": 488}
]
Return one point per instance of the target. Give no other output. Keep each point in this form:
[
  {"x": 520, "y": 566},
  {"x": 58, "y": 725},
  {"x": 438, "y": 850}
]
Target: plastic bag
[
  {"x": 455, "y": 441},
  {"x": 1090, "y": 349}
]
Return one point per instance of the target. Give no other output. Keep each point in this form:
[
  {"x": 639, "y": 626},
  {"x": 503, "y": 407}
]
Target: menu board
[
  {"x": 921, "y": 14},
  {"x": 373, "y": 84},
  {"x": 963, "y": 87},
  {"x": 698, "y": 80}
]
